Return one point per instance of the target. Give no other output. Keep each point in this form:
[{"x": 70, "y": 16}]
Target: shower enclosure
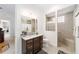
[{"x": 65, "y": 29}]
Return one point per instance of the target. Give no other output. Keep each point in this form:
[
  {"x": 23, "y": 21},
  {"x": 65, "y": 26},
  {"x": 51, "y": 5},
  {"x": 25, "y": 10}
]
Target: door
[{"x": 36, "y": 45}]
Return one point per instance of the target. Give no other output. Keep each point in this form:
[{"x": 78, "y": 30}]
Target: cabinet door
[
  {"x": 29, "y": 46},
  {"x": 41, "y": 41},
  {"x": 36, "y": 45}
]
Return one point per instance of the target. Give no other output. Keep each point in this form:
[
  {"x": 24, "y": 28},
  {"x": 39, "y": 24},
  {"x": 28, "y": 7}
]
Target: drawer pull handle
[
  {"x": 29, "y": 41},
  {"x": 30, "y": 47}
]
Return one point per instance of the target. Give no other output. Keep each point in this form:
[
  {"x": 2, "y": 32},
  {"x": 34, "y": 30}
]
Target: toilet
[{"x": 45, "y": 42}]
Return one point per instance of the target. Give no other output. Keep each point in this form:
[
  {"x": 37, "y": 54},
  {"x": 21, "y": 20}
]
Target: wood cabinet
[
  {"x": 29, "y": 46},
  {"x": 41, "y": 41},
  {"x": 32, "y": 46},
  {"x": 1, "y": 36}
]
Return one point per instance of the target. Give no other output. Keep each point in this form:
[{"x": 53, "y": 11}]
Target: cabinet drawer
[
  {"x": 29, "y": 50},
  {"x": 29, "y": 41},
  {"x": 29, "y": 47}
]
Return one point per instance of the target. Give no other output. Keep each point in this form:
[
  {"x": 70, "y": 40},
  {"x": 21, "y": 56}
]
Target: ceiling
[
  {"x": 7, "y": 8},
  {"x": 50, "y": 7},
  {"x": 10, "y": 8},
  {"x": 7, "y": 11}
]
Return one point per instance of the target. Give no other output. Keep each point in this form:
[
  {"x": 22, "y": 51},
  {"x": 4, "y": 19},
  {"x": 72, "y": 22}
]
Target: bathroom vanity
[{"x": 32, "y": 44}]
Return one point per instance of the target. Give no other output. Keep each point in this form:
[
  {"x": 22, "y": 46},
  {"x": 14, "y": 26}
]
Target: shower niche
[{"x": 50, "y": 22}]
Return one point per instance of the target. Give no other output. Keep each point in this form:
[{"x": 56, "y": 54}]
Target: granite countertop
[{"x": 27, "y": 37}]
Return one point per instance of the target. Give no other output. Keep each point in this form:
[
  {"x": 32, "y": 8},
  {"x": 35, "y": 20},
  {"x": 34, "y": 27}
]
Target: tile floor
[{"x": 50, "y": 49}]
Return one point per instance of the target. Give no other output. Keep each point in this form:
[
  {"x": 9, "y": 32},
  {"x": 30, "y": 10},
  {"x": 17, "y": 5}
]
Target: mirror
[{"x": 29, "y": 25}]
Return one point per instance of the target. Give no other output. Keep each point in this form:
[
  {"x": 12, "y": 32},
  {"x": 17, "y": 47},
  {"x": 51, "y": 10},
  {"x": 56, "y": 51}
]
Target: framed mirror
[{"x": 29, "y": 25}]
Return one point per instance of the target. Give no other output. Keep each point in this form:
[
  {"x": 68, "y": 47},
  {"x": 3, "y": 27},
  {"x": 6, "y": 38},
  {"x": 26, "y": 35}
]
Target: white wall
[
  {"x": 28, "y": 10},
  {"x": 17, "y": 30},
  {"x": 12, "y": 22}
]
